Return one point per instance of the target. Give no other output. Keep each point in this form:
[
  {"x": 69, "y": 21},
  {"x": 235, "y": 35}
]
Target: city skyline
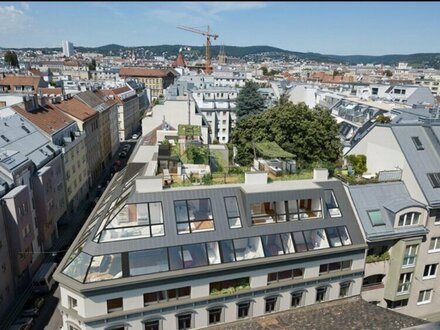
[{"x": 326, "y": 28}]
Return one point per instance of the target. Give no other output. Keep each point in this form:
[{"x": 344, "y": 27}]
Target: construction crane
[{"x": 208, "y": 36}]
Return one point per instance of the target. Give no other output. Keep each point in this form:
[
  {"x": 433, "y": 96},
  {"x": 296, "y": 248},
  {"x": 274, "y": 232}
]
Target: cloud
[
  {"x": 108, "y": 6},
  {"x": 196, "y": 13},
  {"x": 13, "y": 20}
]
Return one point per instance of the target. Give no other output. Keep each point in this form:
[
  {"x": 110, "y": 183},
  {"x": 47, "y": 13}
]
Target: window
[
  {"x": 297, "y": 299},
  {"x": 332, "y": 204},
  {"x": 184, "y": 321},
  {"x": 434, "y": 178},
  {"x": 167, "y": 295},
  {"x": 229, "y": 285},
  {"x": 25, "y": 129},
  {"x": 285, "y": 275},
  {"x": 397, "y": 304},
  {"x": 73, "y": 303},
  {"x": 437, "y": 220},
  {"x": 417, "y": 143},
  {"x": 243, "y": 309},
  {"x": 321, "y": 294},
  {"x": 434, "y": 245},
  {"x": 404, "y": 283},
  {"x": 334, "y": 267},
  {"x": 114, "y": 305},
  {"x": 409, "y": 259},
  {"x": 194, "y": 215},
  {"x": 152, "y": 325},
  {"x": 373, "y": 280},
  {"x": 376, "y": 218},
  {"x": 409, "y": 219},
  {"x": 4, "y": 138},
  {"x": 215, "y": 315},
  {"x": 233, "y": 212},
  {"x": 430, "y": 271},
  {"x": 271, "y": 304},
  {"x": 424, "y": 297},
  {"x": 344, "y": 289}
]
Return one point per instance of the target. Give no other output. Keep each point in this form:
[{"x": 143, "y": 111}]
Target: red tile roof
[
  {"x": 76, "y": 109},
  {"x": 144, "y": 72},
  {"x": 48, "y": 119},
  {"x": 51, "y": 91},
  {"x": 21, "y": 81}
]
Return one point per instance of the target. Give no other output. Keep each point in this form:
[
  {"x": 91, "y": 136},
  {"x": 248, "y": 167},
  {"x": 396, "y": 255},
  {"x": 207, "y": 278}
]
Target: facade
[
  {"x": 155, "y": 79},
  {"x": 231, "y": 78},
  {"x": 67, "y": 48},
  {"x": 185, "y": 258},
  {"x": 7, "y": 286},
  {"x": 21, "y": 84},
  {"x": 412, "y": 148}
]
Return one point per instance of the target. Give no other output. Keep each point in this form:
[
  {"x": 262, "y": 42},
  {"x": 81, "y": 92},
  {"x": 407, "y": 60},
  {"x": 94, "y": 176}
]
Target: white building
[{"x": 67, "y": 48}]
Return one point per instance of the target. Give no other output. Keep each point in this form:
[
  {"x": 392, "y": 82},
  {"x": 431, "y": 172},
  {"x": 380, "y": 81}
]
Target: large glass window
[
  {"x": 248, "y": 248},
  {"x": 272, "y": 245},
  {"x": 105, "y": 267},
  {"x": 300, "y": 243},
  {"x": 409, "y": 219},
  {"x": 310, "y": 208},
  {"x": 232, "y": 212},
  {"x": 262, "y": 213},
  {"x": 194, "y": 255},
  {"x": 194, "y": 215},
  {"x": 78, "y": 267},
  {"x": 227, "y": 251},
  {"x": 316, "y": 239},
  {"x": 335, "y": 267},
  {"x": 287, "y": 243},
  {"x": 332, "y": 204},
  {"x": 285, "y": 275},
  {"x": 213, "y": 253},
  {"x": 333, "y": 236},
  {"x": 148, "y": 261},
  {"x": 343, "y": 233},
  {"x": 167, "y": 295}
]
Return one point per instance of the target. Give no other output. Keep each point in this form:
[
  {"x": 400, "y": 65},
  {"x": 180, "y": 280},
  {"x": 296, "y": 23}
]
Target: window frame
[
  {"x": 373, "y": 222},
  {"x": 423, "y": 293},
  {"x": 220, "y": 316},
  {"x": 188, "y": 220},
  {"x": 115, "y": 309},
  {"x": 248, "y": 311},
  {"x": 191, "y": 320},
  {"x": 403, "y": 282},
  {"x": 301, "y": 298},
  {"x": 325, "y": 291},
  {"x": 436, "y": 244},
  {"x": 272, "y": 302},
  {"x": 429, "y": 268},
  {"x": 229, "y": 217},
  {"x": 410, "y": 256},
  {"x": 404, "y": 218},
  {"x": 346, "y": 288}
]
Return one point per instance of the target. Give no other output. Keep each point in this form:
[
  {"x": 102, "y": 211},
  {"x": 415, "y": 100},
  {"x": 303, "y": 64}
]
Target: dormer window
[{"x": 409, "y": 219}]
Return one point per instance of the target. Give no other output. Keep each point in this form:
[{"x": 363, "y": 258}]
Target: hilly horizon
[{"x": 423, "y": 60}]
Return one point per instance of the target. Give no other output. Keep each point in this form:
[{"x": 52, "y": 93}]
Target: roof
[
  {"x": 341, "y": 314},
  {"x": 272, "y": 150},
  {"x": 20, "y": 140},
  {"x": 51, "y": 91},
  {"x": 422, "y": 161},
  {"x": 115, "y": 227},
  {"x": 76, "y": 108},
  {"x": 144, "y": 72},
  {"x": 33, "y": 81},
  {"x": 49, "y": 119},
  {"x": 384, "y": 197}
]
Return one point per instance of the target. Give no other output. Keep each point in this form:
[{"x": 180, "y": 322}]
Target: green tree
[
  {"x": 381, "y": 119},
  {"x": 92, "y": 65},
  {"x": 359, "y": 163},
  {"x": 312, "y": 135},
  {"x": 11, "y": 59},
  {"x": 388, "y": 73},
  {"x": 249, "y": 101}
]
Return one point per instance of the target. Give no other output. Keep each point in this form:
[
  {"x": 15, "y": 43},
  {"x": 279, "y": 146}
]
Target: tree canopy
[
  {"x": 11, "y": 58},
  {"x": 249, "y": 101},
  {"x": 310, "y": 134}
]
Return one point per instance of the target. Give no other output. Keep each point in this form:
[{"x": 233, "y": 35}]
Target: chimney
[{"x": 320, "y": 174}]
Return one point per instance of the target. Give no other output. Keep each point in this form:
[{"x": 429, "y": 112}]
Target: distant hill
[{"x": 422, "y": 60}]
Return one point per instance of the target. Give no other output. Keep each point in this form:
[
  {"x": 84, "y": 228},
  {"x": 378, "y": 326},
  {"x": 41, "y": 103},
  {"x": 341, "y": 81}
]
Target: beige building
[{"x": 155, "y": 79}]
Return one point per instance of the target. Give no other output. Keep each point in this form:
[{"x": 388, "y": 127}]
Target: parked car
[{"x": 135, "y": 136}]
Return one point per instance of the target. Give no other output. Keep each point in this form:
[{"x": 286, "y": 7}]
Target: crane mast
[{"x": 208, "y": 36}]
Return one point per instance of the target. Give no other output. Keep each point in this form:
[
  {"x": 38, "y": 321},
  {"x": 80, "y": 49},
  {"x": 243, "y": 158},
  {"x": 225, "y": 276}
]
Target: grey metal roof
[
  {"x": 21, "y": 140},
  {"x": 384, "y": 197},
  {"x": 423, "y": 161}
]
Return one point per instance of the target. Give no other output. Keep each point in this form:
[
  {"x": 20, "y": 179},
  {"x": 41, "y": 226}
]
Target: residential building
[
  {"x": 404, "y": 94},
  {"x": 412, "y": 148},
  {"x": 68, "y": 50},
  {"x": 192, "y": 257},
  {"x": 224, "y": 76},
  {"x": 7, "y": 285},
  {"x": 21, "y": 84},
  {"x": 155, "y": 79}
]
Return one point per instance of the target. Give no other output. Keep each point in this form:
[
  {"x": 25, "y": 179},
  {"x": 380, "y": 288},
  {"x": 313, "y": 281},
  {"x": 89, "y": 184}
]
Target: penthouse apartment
[{"x": 192, "y": 257}]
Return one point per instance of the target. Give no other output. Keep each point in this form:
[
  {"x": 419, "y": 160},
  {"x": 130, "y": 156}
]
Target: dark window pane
[
  {"x": 194, "y": 255},
  {"x": 300, "y": 244},
  {"x": 184, "y": 321},
  {"x": 272, "y": 277},
  {"x": 243, "y": 309},
  {"x": 175, "y": 256},
  {"x": 285, "y": 275},
  {"x": 150, "y": 297},
  {"x": 172, "y": 294},
  {"x": 272, "y": 245},
  {"x": 215, "y": 315},
  {"x": 184, "y": 292},
  {"x": 152, "y": 325},
  {"x": 227, "y": 251}
]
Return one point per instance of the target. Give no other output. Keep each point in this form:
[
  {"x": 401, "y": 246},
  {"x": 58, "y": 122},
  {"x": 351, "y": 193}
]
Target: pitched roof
[
  {"x": 21, "y": 81},
  {"x": 51, "y": 91},
  {"x": 49, "y": 119},
  {"x": 76, "y": 109},
  {"x": 144, "y": 72}
]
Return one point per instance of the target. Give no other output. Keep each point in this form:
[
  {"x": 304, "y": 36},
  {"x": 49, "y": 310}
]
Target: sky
[{"x": 340, "y": 28}]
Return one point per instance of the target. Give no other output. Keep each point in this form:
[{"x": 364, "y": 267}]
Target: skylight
[
  {"x": 434, "y": 178},
  {"x": 376, "y": 218},
  {"x": 417, "y": 143}
]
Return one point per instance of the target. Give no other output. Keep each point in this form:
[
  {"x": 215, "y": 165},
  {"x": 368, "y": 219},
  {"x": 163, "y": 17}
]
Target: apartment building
[
  {"x": 64, "y": 132},
  {"x": 7, "y": 286},
  {"x": 432, "y": 83},
  {"x": 155, "y": 79},
  {"x": 229, "y": 77},
  {"x": 412, "y": 148},
  {"x": 19, "y": 84},
  {"x": 192, "y": 257}
]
